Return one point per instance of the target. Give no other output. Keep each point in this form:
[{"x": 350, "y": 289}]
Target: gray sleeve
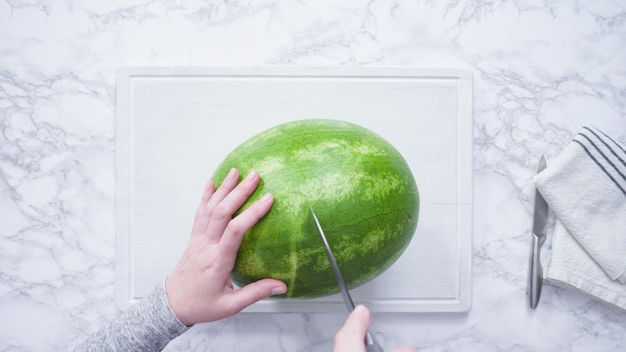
[{"x": 146, "y": 326}]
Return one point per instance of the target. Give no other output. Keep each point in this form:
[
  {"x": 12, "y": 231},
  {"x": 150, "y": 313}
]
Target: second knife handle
[{"x": 536, "y": 274}]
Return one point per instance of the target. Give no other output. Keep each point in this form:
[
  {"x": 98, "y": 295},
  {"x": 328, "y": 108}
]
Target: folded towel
[
  {"x": 570, "y": 266},
  {"x": 585, "y": 186}
]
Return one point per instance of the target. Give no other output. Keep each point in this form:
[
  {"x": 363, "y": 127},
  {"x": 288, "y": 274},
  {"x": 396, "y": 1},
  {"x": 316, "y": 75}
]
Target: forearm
[{"x": 146, "y": 326}]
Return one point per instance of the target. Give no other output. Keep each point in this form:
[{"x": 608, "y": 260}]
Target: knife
[
  {"x": 371, "y": 345},
  {"x": 538, "y": 237}
]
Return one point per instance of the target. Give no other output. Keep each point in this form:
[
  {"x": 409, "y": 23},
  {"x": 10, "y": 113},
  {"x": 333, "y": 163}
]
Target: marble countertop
[{"x": 542, "y": 70}]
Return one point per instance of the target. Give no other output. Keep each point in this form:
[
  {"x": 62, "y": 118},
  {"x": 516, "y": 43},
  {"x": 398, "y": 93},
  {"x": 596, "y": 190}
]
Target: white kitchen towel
[
  {"x": 585, "y": 186},
  {"x": 570, "y": 266}
]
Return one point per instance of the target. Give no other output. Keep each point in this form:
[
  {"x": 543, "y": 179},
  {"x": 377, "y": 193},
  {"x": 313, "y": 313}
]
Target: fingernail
[
  {"x": 232, "y": 173},
  {"x": 279, "y": 290},
  {"x": 360, "y": 309},
  {"x": 266, "y": 197},
  {"x": 251, "y": 175}
]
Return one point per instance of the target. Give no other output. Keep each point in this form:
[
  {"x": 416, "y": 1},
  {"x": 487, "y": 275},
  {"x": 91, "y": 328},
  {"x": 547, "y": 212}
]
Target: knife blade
[
  {"x": 538, "y": 237},
  {"x": 371, "y": 345}
]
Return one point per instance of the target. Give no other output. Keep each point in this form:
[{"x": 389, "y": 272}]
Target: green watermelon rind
[{"x": 360, "y": 186}]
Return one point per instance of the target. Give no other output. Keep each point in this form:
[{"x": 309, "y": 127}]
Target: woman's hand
[
  {"x": 351, "y": 336},
  {"x": 199, "y": 288}
]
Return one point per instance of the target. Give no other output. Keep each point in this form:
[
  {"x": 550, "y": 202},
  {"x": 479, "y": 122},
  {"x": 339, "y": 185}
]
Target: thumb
[
  {"x": 255, "y": 292},
  {"x": 351, "y": 337}
]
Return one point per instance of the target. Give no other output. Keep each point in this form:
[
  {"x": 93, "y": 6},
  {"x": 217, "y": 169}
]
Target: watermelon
[{"x": 360, "y": 187}]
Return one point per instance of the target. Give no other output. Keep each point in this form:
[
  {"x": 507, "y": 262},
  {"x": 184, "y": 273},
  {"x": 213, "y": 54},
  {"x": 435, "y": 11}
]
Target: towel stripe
[
  {"x": 600, "y": 165},
  {"x": 607, "y": 145},
  {"x": 620, "y": 169},
  {"x": 604, "y": 155},
  {"x": 619, "y": 145}
]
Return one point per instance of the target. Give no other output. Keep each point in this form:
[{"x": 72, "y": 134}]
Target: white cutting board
[{"x": 175, "y": 125}]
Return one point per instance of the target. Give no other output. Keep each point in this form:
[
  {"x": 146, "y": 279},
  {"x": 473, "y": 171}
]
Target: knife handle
[
  {"x": 375, "y": 347},
  {"x": 536, "y": 274},
  {"x": 371, "y": 345}
]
